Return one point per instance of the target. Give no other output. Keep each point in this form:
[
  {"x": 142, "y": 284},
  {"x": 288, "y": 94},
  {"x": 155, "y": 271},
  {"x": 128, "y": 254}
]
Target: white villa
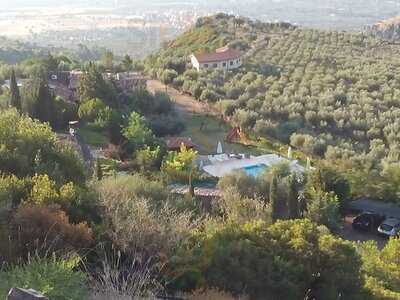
[{"x": 223, "y": 58}]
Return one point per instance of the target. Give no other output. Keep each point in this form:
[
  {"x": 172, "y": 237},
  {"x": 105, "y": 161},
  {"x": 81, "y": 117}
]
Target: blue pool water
[{"x": 255, "y": 170}]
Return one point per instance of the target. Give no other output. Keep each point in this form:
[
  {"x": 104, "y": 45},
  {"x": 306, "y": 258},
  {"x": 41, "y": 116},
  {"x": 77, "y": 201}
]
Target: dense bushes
[
  {"x": 137, "y": 133},
  {"x": 280, "y": 194},
  {"x": 44, "y": 229},
  {"x": 140, "y": 218},
  {"x": 244, "y": 259},
  {"x": 41, "y": 190},
  {"x": 159, "y": 112},
  {"x": 382, "y": 269},
  {"x": 28, "y": 146},
  {"x": 55, "y": 278}
]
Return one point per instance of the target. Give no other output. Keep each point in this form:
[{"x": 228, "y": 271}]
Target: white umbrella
[
  {"x": 289, "y": 152},
  {"x": 308, "y": 163},
  {"x": 201, "y": 165},
  {"x": 219, "y": 148}
]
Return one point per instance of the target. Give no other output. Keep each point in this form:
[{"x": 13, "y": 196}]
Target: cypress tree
[
  {"x": 293, "y": 198},
  {"x": 99, "y": 170},
  {"x": 273, "y": 199},
  {"x": 15, "y": 100},
  {"x": 44, "y": 103}
]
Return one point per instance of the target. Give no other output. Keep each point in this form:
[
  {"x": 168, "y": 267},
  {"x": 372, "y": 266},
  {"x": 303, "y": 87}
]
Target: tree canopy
[{"x": 28, "y": 147}]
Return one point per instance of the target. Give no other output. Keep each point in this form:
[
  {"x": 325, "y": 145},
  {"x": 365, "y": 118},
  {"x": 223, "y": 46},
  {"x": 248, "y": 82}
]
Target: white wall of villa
[{"x": 220, "y": 65}]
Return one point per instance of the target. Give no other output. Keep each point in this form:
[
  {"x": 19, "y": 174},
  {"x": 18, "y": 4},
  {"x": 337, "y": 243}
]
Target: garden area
[
  {"x": 93, "y": 136},
  {"x": 206, "y": 131}
]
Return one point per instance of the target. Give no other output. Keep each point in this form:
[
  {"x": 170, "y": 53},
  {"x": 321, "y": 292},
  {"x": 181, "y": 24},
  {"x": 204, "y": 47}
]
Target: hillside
[
  {"x": 333, "y": 95},
  {"x": 387, "y": 29},
  {"x": 13, "y": 51}
]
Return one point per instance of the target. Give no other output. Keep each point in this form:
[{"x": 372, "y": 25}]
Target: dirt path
[{"x": 184, "y": 103}]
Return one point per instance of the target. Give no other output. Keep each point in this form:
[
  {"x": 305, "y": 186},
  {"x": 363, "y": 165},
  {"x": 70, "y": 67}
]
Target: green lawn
[
  {"x": 212, "y": 132},
  {"x": 94, "y": 136}
]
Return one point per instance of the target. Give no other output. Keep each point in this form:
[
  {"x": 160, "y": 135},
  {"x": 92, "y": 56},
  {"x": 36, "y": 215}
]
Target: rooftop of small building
[
  {"x": 221, "y": 54},
  {"x": 176, "y": 142}
]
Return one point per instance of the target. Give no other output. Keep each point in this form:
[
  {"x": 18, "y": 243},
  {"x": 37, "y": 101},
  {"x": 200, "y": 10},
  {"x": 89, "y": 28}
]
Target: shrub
[
  {"x": 179, "y": 166},
  {"x": 90, "y": 109},
  {"x": 240, "y": 210},
  {"x": 322, "y": 205},
  {"x": 132, "y": 186},
  {"x": 137, "y": 133},
  {"x": 162, "y": 104},
  {"x": 55, "y": 278},
  {"x": 270, "y": 262},
  {"x": 164, "y": 125},
  {"x": 208, "y": 95},
  {"x": 119, "y": 278},
  {"x": 12, "y": 191},
  {"x": 23, "y": 141},
  {"x": 226, "y": 107},
  {"x": 44, "y": 190},
  {"x": 47, "y": 228},
  {"x": 142, "y": 223},
  {"x": 265, "y": 128},
  {"x": 244, "y": 184},
  {"x": 168, "y": 76},
  {"x": 382, "y": 269},
  {"x": 148, "y": 159},
  {"x": 244, "y": 119}
]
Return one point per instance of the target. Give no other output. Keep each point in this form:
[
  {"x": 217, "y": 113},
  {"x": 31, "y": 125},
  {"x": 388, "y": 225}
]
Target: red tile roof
[
  {"x": 224, "y": 55},
  {"x": 176, "y": 142}
]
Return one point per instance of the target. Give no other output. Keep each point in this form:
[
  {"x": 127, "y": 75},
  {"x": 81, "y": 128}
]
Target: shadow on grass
[
  {"x": 94, "y": 136},
  {"x": 207, "y": 131}
]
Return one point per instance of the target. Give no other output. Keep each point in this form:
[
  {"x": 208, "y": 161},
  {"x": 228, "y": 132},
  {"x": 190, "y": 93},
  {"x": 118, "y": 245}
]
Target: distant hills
[
  {"x": 13, "y": 51},
  {"x": 387, "y": 29},
  {"x": 327, "y": 14}
]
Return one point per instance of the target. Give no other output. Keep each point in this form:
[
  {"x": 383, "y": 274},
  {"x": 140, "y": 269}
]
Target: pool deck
[{"x": 224, "y": 167}]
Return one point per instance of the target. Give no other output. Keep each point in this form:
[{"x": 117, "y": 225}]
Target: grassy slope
[
  {"x": 94, "y": 137},
  {"x": 213, "y": 132}
]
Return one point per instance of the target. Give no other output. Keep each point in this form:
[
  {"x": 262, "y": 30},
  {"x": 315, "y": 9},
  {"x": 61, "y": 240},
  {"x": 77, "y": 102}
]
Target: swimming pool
[{"x": 255, "y": 170}]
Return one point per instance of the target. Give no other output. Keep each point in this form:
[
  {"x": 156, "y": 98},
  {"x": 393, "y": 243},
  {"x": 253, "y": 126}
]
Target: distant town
[
  {"x": 140, "y": 28},
  {"x": 137, "y": 34}
]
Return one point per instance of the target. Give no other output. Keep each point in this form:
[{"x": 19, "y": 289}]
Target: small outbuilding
[{"x": 175, "y": 143}]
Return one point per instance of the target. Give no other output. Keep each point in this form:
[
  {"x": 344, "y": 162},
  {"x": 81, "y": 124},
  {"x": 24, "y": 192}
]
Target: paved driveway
[{"x": 348, "y": 233}]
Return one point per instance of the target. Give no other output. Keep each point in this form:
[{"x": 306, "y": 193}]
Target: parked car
[
  {"x": 367, "y": 221},
  {"x": 390, "y": 227}
]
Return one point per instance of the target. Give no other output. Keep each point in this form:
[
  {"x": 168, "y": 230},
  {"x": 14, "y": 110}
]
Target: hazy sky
[{"x": 340, "y": 14}]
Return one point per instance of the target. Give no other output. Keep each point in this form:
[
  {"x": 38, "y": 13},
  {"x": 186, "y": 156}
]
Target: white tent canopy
[{"x": 219, "y": 148}]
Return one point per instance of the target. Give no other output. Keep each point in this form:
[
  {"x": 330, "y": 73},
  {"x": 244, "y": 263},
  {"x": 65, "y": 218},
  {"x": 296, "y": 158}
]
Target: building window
[
  {"x": 224, "y": 64},
  {"x": 205, "y": 65},
  {"x": 231, "y": 63},
  {"x": 215, "y": 65}
]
